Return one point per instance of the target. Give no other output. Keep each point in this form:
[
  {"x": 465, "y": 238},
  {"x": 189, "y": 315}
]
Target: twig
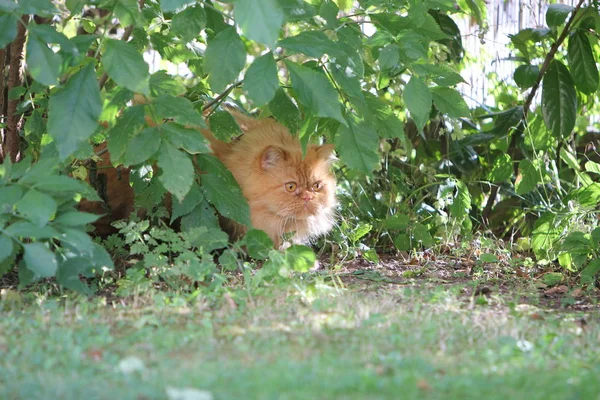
[
  {"x": 3, "y": 54},
  {"x": 12, "y": 140},
  {"x": 98, "y": 154},
  {"x": 549, "y": 58},
  {"x": 224, "y": 94},
  {"x": 125, "y": 38}
]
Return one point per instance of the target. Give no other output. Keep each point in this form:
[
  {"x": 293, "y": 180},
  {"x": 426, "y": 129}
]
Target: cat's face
[{"x": 295, "y": 187}]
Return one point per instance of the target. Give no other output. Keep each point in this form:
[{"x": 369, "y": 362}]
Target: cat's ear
[
  {"x": 271, "y": 157},
  {"x": 326, "y": 153}
]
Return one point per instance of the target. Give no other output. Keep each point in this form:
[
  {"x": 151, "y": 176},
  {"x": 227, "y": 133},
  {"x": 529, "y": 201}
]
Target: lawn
[{"x": 320, "y": 336}]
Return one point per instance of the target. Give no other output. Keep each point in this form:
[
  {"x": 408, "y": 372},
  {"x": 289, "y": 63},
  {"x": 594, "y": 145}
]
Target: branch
[
  {"x": 222, "y": 96},
  {"x": 549, "y": 58},
  {"x": 12, "y": 140},
  {"x": 3, "y": 53},
  {"x": 125, "y": 38}
]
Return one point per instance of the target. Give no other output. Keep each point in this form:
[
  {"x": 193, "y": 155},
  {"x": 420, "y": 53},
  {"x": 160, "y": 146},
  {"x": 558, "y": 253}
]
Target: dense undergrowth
[{"x": 418, "y": 168}]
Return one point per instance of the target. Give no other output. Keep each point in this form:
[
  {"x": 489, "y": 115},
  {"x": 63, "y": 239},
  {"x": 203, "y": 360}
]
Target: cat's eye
[
  {"x": 291, "y": 186},
  {"x": 317, "y": 186}
]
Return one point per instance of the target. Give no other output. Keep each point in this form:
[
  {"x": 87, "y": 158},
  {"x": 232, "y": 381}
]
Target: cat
[{"x": 289, "y": 195}]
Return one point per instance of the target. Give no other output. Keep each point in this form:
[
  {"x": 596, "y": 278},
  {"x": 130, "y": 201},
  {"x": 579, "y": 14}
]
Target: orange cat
[{"x": 287, "y": 194}]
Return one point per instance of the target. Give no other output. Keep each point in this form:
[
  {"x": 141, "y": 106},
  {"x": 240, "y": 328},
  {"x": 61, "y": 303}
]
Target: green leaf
[
  {"x": 126, "y": 66},
  {"x": 417, "y": 98},
  {"x": 441, "y": 74},
  {"x": 38, "y": 7},
  {"x": 68, "y": 274},
  {"x": 6, "y": 248},
  {"x": 225, "y": 57},
  {"x": 579, "y": 246},
  {"x": 403, "y": 242},
  {"x": 506, "y": 120},
  {"x": 73, "y": 111},
  {"x": 193, "y": 198},
  {"x": 177, "y": 170},
  {"x": 329, "y": 12},
  {"x": 488, "y": 258},
  {"x": 398, "y": 222},
  {"x": 461, "y": 204},
  {"x": 42, "y": 62},
  {"x": 300, "y": 258},
  {"x": 420, "y": 234},
  {"x": 537, "y": 136},
  {"x": 297, "y": 10},
  {"x": 357, "y": 145},
  {"x": 191, "y": 140},
  {"x": 450, "y": 102},
  {"x": 502, "y": 169},
  {"x": 143, "y": 146},
  {"x": 312, "y": 43},
  {"x": 128, "y": 125},
  {"x": 188, "y": 23},
  {"x": 285, "y": 111},
  {"x": 528, "y": 178},
  {"x": 128, "y": 12},
  {"x": 9, "y": 196},
  {"x": 526, "y": 75},
  {"x": 222, "y": 190},
  {"x": 24, "y": 229},
  {"x": 258, "y": 244},
  {"x": 545, "y": 233},
  {"x": 163, "y": 83},
  {"x": 223, "y": 126},
  {"x": 559, "y": 100},
  {"x": 589, "y": 196},
  {"x": 260, "y": 20},
  {"x": 61, "y": 184},
  {"x": 593, "y": 167},
  {"x": 75, "y": 218},
  {"x": 315, "y": 92},
  {"x": 178, "y": 108},
  {"x": 228, "y": 260},
  {"x": 557, "y": 13},
  {"x": 582, "y": 63},
  {"x": 207, "y": 239},
  {"x": 201, "y": 215},
  {"x": 382, "y": 116},
  {"x": 172, "y": 5},
  {"x": 37, "y": 207},
  {"x": 40, "y": 260},
  {"x": 261, "y": 80},
  {"x": 389, "y": 57},
  {"x": 589, "y": 273},
  {"x": 8, "y": 29}
]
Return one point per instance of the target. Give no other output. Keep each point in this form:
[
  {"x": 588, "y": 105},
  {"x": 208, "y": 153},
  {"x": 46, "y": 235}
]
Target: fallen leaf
[
  {"x": 536, "y": 316},
  {"x": 556, "y": 290},
  {"x": 522, "y": 274},
  {"x": 578, "y": 292}
]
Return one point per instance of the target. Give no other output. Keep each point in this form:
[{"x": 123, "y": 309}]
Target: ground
[{"x": 406, "y": 327}]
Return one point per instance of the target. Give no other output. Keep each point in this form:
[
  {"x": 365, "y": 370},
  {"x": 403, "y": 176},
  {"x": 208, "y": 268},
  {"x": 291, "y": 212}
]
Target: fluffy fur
[{"x": 287, "y": 193}]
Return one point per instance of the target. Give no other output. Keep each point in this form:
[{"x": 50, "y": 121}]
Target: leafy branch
[{"x": 550, "y": 57}]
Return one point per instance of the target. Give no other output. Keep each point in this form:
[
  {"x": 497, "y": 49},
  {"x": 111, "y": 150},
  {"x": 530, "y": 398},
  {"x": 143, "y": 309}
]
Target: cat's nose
[{"x": 306, "y": 196}]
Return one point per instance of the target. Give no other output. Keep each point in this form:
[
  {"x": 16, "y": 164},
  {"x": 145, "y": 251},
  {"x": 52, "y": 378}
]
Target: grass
[{"x": 301, "y": 341}]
